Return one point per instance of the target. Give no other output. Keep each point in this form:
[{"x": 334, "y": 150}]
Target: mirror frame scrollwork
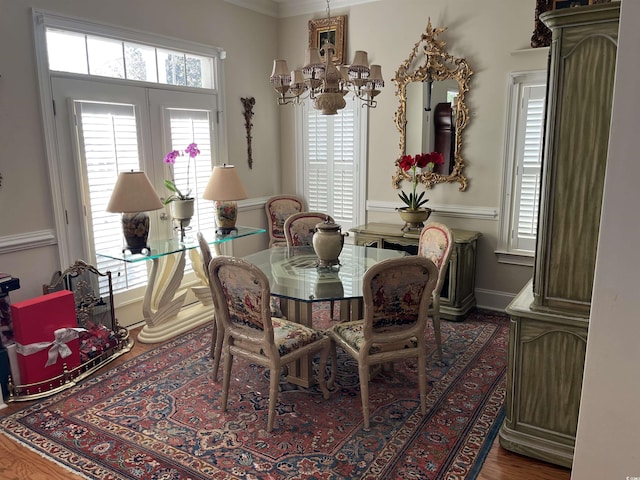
[{"x": 436, "y": 65}]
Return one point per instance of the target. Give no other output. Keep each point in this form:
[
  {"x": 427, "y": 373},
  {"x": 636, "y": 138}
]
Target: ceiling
[{"x": 291, "y": 8}]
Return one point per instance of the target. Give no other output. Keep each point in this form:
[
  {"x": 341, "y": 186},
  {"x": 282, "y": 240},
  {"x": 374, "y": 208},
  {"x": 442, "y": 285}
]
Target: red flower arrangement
[{"x": 422, "y": 161}]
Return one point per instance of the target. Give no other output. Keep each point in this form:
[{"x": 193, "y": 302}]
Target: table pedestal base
[
  {"x": 188, "y": 318},
  {"x": 163, "y": 310}
]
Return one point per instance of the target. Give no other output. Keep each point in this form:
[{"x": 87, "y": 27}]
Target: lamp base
[
  {"x": 226, "y": 215},
  {"x": 135, "y": 227}
]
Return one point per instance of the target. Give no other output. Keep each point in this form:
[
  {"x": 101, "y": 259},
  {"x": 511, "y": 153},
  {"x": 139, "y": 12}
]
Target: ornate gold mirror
[{"x": 431, "y": 86}]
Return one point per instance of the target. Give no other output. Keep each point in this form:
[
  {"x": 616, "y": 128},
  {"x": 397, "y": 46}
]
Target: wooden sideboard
[{"x": 458, "y": 291}]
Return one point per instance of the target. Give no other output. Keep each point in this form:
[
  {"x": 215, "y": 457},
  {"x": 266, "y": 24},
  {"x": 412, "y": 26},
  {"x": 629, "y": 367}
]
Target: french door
[{"x": 103, "y": 129}]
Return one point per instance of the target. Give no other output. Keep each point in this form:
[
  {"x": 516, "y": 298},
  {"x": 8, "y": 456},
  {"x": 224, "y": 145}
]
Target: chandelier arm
[{"x": 326, "y": 83}]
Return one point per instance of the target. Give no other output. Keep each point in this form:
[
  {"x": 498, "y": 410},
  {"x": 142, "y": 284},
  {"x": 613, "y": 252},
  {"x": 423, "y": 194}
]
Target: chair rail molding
[
  {"x": 446, "y": 210},
  {"x": 25, "y": 241},
  {"x": 256, "y": 203}
]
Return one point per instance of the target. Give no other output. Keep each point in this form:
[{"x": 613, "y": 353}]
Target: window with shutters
[
  {"x": 523, "y": 168},
  {"x": 122, "y": 100},
  {"x": 192, "y": 126},
  {"x": 109, "y": 142},
  {"x": 332, "y": 156}
]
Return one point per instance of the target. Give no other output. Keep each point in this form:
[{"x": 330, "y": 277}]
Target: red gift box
[{"x": 40, "y": 324}]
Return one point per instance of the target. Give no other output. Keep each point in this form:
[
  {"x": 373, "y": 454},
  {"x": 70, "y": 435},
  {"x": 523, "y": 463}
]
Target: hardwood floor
[{"x": 20, "y": 463}]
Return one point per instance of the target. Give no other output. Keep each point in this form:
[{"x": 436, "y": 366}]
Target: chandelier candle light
[{"x": 325, "y": 82}]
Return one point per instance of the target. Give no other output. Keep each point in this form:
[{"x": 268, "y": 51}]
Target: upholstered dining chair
[
  {"x": 216, "y": 333},
  {"x": 396, "y": 294},
  {"x": 278, "y": 208},
  {"x": 436, "y": 243},
  {"x": 299, "y": 229},
  {"x": 241, "y": 296}
]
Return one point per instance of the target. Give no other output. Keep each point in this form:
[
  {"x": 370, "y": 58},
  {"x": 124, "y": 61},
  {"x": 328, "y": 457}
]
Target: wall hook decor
[{"x": 248, "y": 103}]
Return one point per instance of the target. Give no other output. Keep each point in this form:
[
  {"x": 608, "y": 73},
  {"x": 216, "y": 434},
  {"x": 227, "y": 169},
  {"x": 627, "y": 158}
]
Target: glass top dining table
[
  {"x": 295, "y": 278},
  {"x": 294, "y": 274}
]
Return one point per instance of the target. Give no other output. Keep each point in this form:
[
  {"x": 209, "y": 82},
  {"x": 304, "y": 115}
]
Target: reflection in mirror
[
  {"x": 431, "y": 120},
  {"x": 431, "y": 87}
]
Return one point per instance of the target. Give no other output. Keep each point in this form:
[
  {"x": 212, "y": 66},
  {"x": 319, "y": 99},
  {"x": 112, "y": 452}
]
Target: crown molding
[{"x": 292, "y": 8}]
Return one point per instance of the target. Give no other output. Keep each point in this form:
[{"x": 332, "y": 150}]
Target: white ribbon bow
[{"x": 58, "y": 346}]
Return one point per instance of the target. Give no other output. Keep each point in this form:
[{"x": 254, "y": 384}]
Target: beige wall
[
  {"x": 388, "y": 30},
  {"x": 252, "y": 40}
]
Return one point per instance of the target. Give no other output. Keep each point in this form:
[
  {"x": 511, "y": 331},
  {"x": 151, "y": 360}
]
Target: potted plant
[
  {"x": 182, "y": 207},
  {"x": 414, "y": 214}
]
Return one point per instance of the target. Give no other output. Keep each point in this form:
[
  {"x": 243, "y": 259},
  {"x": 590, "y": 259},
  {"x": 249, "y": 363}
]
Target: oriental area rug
[{"x": 158, "y": 417}]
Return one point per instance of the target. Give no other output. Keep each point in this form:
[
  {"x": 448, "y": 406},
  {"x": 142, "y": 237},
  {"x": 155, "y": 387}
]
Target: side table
[
  {"x": 458, "y": 291},
  {"x": 162, "y": 304}
]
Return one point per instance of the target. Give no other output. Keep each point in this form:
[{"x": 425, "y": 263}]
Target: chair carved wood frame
[
  {"x": 278, "y": 208},
  {"x": 397, "y": 293},
  {"x": 241, "y": 299},
  {"x": 436, "y": 244}
]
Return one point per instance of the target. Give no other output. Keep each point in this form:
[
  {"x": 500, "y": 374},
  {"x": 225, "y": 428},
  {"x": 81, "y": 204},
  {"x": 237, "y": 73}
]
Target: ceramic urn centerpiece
[{"x": 328, "y": 241}]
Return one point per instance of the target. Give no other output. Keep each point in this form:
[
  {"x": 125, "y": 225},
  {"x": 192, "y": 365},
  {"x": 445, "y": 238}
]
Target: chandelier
[{"x": 326, "y": 83}]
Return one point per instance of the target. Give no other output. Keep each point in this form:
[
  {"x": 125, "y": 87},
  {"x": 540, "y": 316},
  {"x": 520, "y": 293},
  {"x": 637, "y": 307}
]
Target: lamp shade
[
  {"x": 224, "y": 185},
  {"x": 133, "y": 193}
]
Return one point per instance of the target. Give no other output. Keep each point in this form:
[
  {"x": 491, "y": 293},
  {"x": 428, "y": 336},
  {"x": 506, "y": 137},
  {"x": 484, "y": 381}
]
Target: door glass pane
[{"x": 108, "y": 145}]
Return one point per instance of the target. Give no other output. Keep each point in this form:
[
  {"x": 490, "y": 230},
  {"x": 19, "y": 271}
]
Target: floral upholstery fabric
[
  {"x": 289, "y": 336},
  {"x": 396, "y": 296},
  {"x": 278, "y": 210},
  {"x": 302, "y": 227},
  {"x": 243, "y": 295},
  {"x": 244, "y": 301},
  {"x": 433, "y": 244},
  {"x": 396, "y": 301},
  {"x": 353, "y": 334}
]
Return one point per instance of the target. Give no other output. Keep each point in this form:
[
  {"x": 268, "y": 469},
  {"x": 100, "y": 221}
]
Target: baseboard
[{"x": 493, "y": 300}]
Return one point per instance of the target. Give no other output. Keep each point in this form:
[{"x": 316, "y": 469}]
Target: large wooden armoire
[{"x": 550, "y": 316}]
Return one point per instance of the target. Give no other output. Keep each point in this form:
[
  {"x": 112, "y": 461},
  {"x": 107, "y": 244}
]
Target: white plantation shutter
[
  {"x": 331, "y": 158},
  {"x": 109, "y": 144},
  {"x": 529, "y": 157},
  {"x": 193, "y": 126},
  {"x": 344, "y": 161},
  {"x": 317, "y": 178}
]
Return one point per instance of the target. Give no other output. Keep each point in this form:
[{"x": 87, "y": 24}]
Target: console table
[
  {"x": 458, "y": 291},
  {"x": 162, "y": 308}
]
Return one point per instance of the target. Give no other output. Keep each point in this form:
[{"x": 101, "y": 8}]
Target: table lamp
[
  {"x": 224, "y": 188},
  {"x": 133, "y": 195}
]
